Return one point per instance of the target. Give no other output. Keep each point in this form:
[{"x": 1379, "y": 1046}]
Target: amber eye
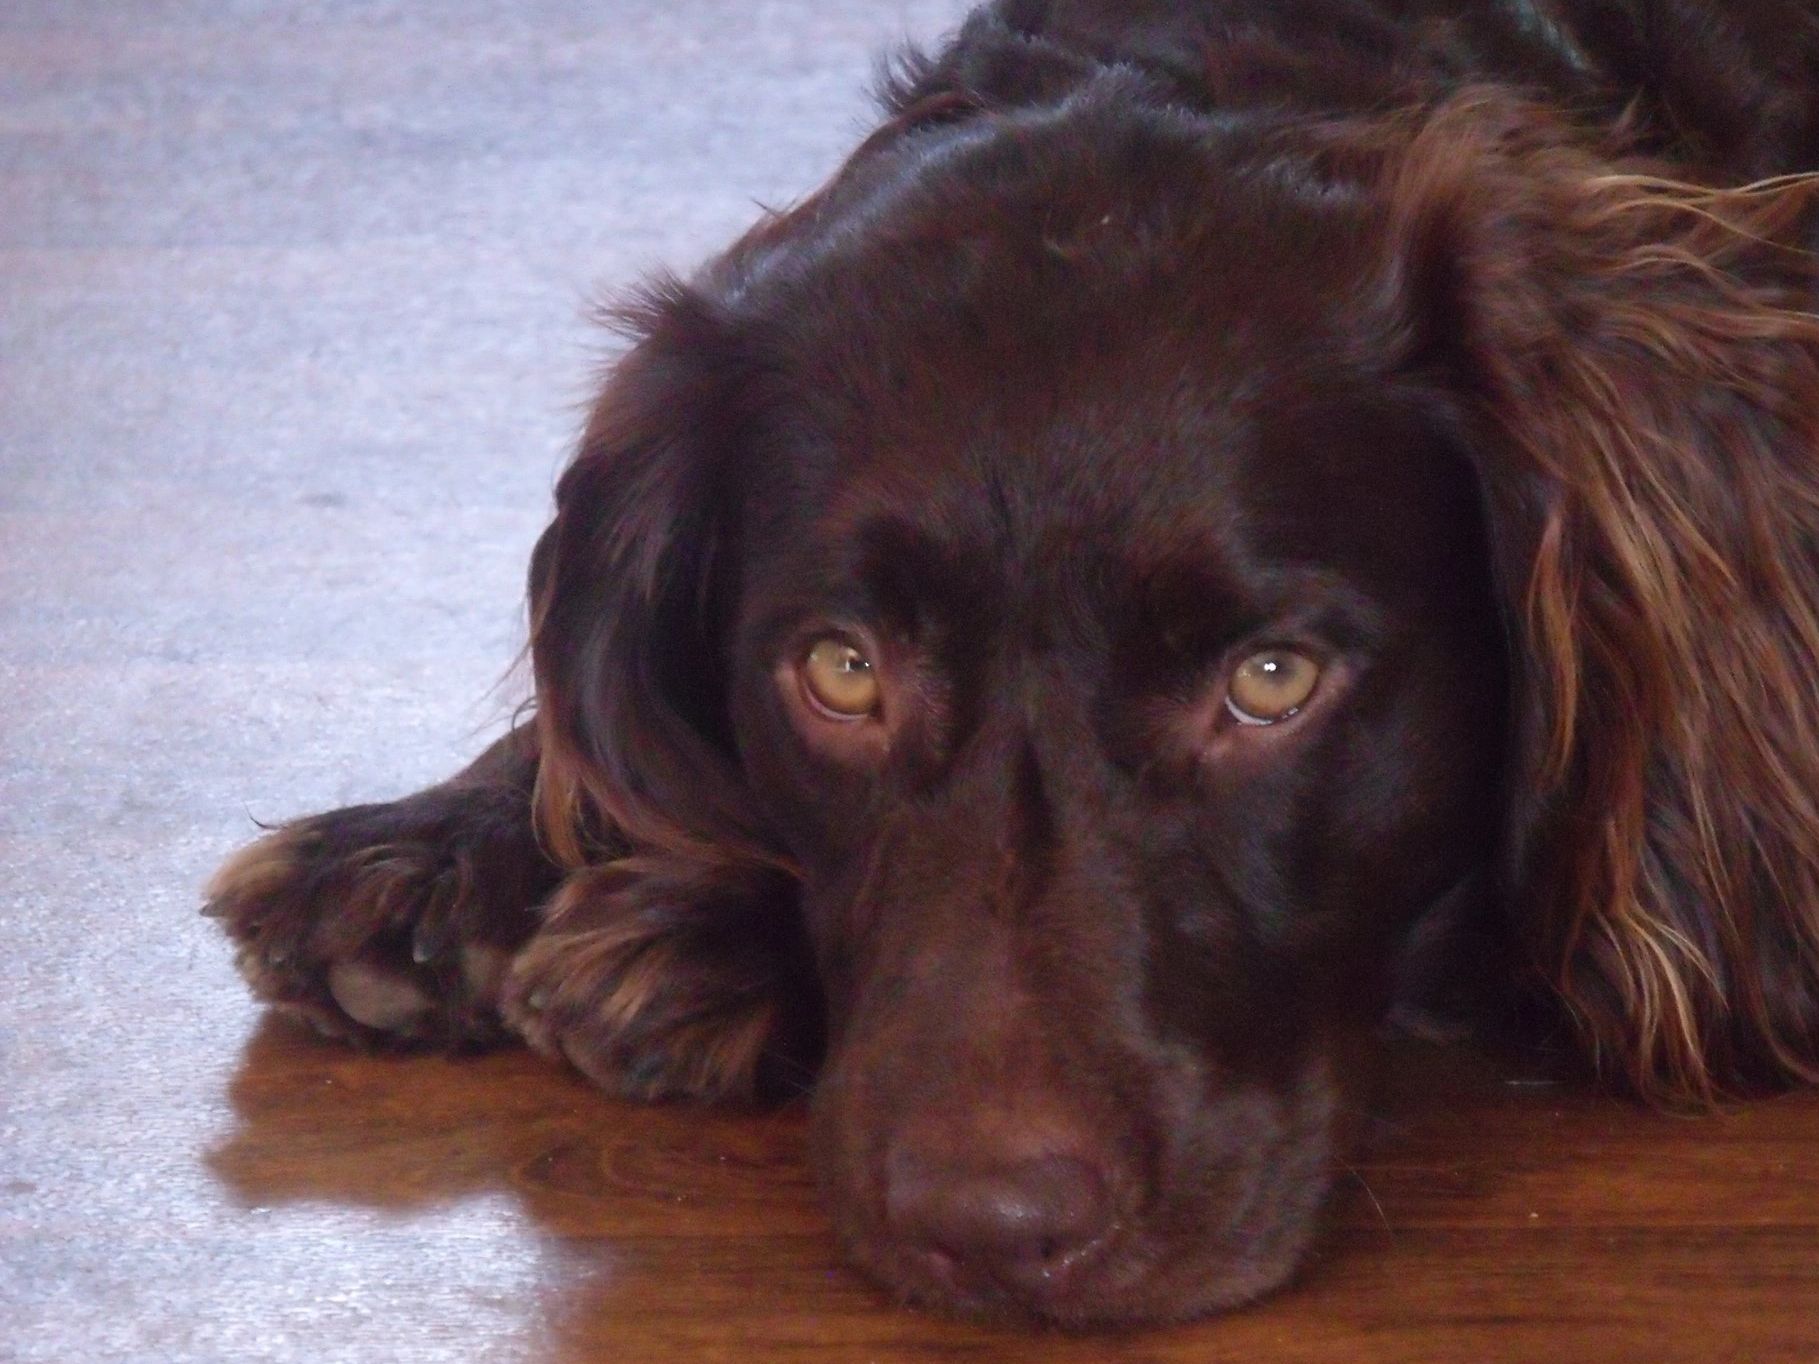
[
  {"x": 1271, "y": 686},
  {"x": 840, "y": 679}
]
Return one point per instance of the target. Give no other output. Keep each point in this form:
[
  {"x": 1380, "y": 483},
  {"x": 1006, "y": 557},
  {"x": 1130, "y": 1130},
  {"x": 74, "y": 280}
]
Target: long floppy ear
[
  {"x": 1641, "y": 365},
  {"x": 670, "y": 961},
  {"x": 625, "y": 588}
]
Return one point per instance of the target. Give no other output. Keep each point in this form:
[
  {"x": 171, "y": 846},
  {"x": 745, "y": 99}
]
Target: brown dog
[{"x": 1224, "y": 524}]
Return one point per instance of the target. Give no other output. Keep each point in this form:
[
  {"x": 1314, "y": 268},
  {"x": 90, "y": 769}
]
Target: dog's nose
[{"x": 1023, "y": 1225}]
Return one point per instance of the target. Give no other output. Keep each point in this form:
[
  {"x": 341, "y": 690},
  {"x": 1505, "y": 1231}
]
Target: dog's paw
[
  {"x": 665, "y": 1000},
  {"x": 386, "y": 923}
]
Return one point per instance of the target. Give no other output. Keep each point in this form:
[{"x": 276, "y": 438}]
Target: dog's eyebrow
[
  {"x": 1183, "y": 579},
  {"x": 1202, "y": 597},
  {"x": 879, "y": 570},
  {"x": 908, "y": 575}
]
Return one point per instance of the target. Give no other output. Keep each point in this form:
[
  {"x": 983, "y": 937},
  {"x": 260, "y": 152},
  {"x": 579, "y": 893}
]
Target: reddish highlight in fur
[{"x": 1650, "y": 364}]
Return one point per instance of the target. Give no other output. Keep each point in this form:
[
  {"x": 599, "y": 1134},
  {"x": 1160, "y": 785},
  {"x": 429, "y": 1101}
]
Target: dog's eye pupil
[
  {"x": 1271, "y": 686},
  {"x": 840, "y": 679}
]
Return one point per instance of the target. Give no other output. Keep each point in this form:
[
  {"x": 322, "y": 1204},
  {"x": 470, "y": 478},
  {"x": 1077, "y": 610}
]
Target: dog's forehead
[
  {"x": 1060, "y": 238},
  {"x": 1122, "y": 485},
  {"x": 1113, "y": 452},
  {"x": 1102, "y": 341},
  {"x": 1166, "y": 461}
]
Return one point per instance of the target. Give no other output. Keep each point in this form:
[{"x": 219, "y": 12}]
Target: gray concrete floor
[{"x": 292, "y": 345}]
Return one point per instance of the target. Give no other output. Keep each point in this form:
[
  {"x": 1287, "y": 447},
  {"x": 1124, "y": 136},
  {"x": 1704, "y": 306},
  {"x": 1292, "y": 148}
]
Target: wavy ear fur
[
  {"x": 1641, "y": 364},
  {"x": 675, "y": 955},
  {"x": 626, "y": 586}
]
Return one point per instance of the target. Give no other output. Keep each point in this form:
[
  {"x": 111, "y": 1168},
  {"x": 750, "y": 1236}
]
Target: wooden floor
[
  {"x": 291, "y": 345},
  {"x": 494, "y": 1209}
]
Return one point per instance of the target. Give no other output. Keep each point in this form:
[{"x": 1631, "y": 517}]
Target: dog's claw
[{"x": 375, "y": 998}]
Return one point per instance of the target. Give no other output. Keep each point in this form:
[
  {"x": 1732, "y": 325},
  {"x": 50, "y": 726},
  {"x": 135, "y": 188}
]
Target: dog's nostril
[{"x": 1019, "y": 1224}]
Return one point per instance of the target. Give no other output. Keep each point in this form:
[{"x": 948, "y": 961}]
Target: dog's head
[{"x": 1161, "y": 592}]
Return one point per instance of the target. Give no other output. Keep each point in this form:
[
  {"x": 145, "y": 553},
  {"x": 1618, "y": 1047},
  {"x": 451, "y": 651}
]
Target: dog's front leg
[
  {"x": 396, "y": 922},
  {"x": 658, "y": 976}
]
